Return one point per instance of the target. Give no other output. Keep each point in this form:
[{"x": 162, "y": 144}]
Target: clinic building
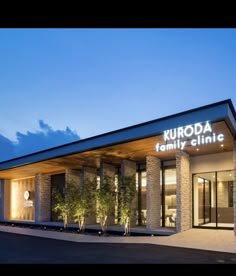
[{"x": 184, "y": 164}]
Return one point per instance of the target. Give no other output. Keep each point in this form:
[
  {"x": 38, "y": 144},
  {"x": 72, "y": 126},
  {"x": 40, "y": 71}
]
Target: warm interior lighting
[
  {"x": 220, "y": 185},
  {"x": 222, "y": 145},
  {"x": 197, "y": 149},
  {"x": 21, "y": 208},
  {"x": 14, "y": 199}
]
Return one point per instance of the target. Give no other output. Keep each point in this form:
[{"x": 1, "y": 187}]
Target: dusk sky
[{"x": 85, "y": 82}]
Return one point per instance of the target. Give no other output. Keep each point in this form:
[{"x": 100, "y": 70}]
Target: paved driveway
[{"x": 22, "y": 249}]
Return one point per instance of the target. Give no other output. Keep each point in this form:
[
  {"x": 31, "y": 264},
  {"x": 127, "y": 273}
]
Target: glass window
[
  {"x": 141, "y": 186},
  {"x": 225, "y": 211},
  {"x": 57, "y": 185},
  {"x": 143, "y": 197},
  {"x": 170, "y": 197}
]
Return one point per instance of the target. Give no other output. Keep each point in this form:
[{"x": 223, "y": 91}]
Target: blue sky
[{"x": 91, "y": 81}]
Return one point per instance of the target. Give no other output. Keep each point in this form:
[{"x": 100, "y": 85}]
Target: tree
[
  {"x": 65, "y": 201},
  {"x": 85, "y": 198},
  {"x": 127, "y": 192},
  {"x": 106, "y": 196}
]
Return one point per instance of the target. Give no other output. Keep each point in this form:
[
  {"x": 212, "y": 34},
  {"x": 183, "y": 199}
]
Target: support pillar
[
  {"x": 108, "y": 170},
  {"x": 1, "y": 199},
  {"x": 6, "y": 198},
  {"x": 128, "y": 168},
  {"x": 72, "y": 177},
  {"x": 153, "y": 196},
  {"x": 91, "y": 175},
  {"x": 234, "y": 186},
  {"x": 42, "y": 198},
  {"x": 183, "y": 192}
]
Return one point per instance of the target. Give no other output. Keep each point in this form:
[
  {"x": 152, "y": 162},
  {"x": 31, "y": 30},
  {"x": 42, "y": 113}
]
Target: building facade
[{"x": 184, "y": 164}]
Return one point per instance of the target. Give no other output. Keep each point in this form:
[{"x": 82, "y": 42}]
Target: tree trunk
[{"x": 65, "y": 221}]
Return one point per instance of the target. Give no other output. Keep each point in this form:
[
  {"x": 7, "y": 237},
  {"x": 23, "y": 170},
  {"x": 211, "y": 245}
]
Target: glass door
[
  {"x": 207, "y": 201},
  {"x": 213, "y": 199},
  {"x": 225, "y": 210},
  {"x": 169, "y": 197},
  {"x": 204, "y": 199}
]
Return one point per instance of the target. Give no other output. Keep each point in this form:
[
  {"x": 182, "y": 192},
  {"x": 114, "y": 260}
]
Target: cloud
[
  {"x": 32, "y": 142},
  {"x": 6, "y": 148}
]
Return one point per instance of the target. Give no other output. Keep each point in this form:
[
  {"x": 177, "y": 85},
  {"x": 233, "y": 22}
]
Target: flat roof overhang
[{"x": 133, "y": 143}]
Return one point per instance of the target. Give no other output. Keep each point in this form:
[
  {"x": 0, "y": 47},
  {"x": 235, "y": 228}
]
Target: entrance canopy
[{"x": 201, "y": 131}]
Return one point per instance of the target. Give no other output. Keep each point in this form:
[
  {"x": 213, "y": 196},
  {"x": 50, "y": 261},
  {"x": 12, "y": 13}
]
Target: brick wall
[
  {"x": 7, "y": 199},
  {"x": 128, "y": 168},
  {"x": 234, "y": 188},
  {"x": 108, "y": 170},
  {"x": 1, "y": 199},
  {"x": 72, "y": 175},
  {"x": 183, "y": 192},
  {"x": 153, "y": 192},
  {"x": 42, "y": 197},
  {"x": 91, "y": 174}
]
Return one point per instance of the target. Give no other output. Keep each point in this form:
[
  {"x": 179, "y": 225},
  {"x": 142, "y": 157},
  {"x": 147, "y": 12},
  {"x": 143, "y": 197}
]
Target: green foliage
[
  {"x": 106, "y": 196},
  {"x": 85, "y": 200},
  {"x": 65, "y": 201},
  {"x": 127, "y": 192}
]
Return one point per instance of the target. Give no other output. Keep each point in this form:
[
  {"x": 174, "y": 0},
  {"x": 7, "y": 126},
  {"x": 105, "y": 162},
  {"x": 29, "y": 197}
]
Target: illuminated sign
[
  {"x": 26, "y": 195},
  {"x": 190, "y": 135},
  {"x": 27, "y": 202}
]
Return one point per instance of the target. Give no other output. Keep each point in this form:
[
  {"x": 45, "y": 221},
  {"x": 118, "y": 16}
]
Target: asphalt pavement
[{"x": 24, "y": 249}]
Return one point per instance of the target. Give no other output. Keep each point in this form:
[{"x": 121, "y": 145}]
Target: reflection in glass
[
  {"x": 143, "y": 197},
  {"x": 225, "y": 212},
  {"x": 141, "y": 187},
  {"x": 170, "y": 197}
]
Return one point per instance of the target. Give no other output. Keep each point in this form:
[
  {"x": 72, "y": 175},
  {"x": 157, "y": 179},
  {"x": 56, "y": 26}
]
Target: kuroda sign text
[{"x": 193, "y": 135}]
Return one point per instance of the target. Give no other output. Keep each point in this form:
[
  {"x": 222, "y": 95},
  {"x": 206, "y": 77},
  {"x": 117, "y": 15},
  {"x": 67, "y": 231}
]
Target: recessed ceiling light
[
  {"x": 197, "y": 149},
  {"x": 222, "y": 145}
]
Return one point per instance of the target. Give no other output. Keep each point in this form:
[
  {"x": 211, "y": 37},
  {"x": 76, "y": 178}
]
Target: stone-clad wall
[
  {"x": 128, "y": 168},
  {"x": 234, "y": 188},
  {"x": 90, "y": 174},
  {"x": 42, "y": 197},
  {"x": 183, "y": 192},
  {"x": 153, "y": 192},
  {"x": 7, "y": 198},
  {"x": 1, "y": 199},
  {"x": 108, "y": 170},
  {"x": 72, "y": 175}
]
